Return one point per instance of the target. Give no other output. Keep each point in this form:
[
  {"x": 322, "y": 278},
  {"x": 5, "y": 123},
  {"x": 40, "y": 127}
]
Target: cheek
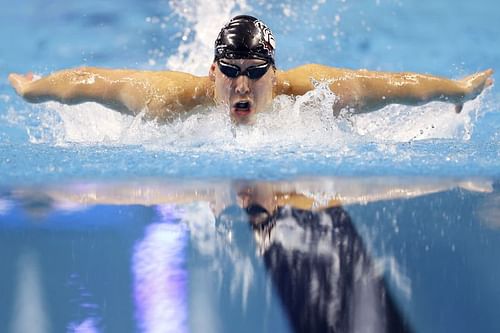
[
  {"x": 265, "y": 90},
  {"x": 222, "y": 89}
]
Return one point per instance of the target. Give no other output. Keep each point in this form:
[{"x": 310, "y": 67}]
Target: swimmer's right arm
[
  {"x": 161, "y": 94},
  {"x": 366, "y": 91}
]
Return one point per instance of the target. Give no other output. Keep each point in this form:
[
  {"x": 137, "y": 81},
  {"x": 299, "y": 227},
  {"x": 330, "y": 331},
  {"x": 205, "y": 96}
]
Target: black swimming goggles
[{"x": 253, "y": 72}]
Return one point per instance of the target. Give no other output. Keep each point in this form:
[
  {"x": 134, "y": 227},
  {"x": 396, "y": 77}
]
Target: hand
[
  {"x": 473, "y": 85},
  {"x": 21, "y": 82}
]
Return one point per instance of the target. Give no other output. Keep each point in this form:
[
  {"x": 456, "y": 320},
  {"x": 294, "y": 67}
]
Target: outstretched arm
[
  {"x": 309, "y": 195},
  {"x": 161, "y": 94},
  {"x": 366, "y": 91}
]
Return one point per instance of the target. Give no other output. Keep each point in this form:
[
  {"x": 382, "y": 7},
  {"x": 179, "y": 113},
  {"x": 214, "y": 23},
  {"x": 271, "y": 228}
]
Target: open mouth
[{"x": 242, "y": 107}]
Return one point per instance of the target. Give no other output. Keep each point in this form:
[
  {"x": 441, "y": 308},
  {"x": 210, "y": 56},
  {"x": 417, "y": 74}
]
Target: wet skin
[
  {"x": 245, "y": 97},
  {"x": 164, "y": 95}
]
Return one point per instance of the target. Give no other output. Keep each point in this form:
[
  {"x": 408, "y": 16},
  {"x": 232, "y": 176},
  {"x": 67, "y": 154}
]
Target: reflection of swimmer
[
  {"x": 242, "y": 76},
  {"x": 316, "y": 259},
  {"x": 309, "y": 194},
  {"x": 320, "y": 268}
]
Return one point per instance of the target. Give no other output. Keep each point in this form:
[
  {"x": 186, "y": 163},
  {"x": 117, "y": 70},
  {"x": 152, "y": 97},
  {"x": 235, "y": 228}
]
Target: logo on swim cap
[
  {"x": 267, "y": 36},
  {"x": 245, "y": 37}
]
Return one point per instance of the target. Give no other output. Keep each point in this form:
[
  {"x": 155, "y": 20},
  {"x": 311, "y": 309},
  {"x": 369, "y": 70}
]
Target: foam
[
  {"x": 292, "y": 122},
  {"x": 203, "y": 20}
]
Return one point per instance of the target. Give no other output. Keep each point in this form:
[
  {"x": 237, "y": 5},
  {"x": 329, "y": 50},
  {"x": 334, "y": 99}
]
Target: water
[
  {"x": 426, "y": 140},
  {"x": 182, "y": 256},
  {"x": 112, "y": 223}
]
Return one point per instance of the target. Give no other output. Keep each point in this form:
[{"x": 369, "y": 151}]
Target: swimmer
[{"x": 244, "y": 78}]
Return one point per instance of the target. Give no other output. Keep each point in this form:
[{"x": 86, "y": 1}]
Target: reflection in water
[
  {"x": 324, "y": 277},
  {"x": 29, "y": 308},
  {"x": 88, "y": 309},
  {"x": 89, "y": 325},
  {"x": 317, "y": 262},
  {"x": 4, "y": 206},
  {"x": 253, "y": 256},
  {"x": 228, "y": 276},
  {"x": 160, "y": 277},
  {"x": 388, "y": 264},
  {"x": 489, "y": 211}
]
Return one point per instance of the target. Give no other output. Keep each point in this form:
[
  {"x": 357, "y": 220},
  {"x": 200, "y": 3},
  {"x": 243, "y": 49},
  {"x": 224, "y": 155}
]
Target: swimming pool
[{"x": 101, "y": 193}]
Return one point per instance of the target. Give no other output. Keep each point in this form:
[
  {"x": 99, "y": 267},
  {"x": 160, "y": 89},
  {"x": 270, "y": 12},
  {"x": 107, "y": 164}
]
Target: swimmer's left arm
[
  {"x": 378, "y": 89},
  {"x": 366, "y": 91},
  {"x": 160, "y": 94}
]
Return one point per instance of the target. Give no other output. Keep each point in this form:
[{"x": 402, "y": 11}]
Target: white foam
[
  {"x": 431, "y": 121},
  {"x": 305, "y": 121},
  {"x": 203, "y": 22}
]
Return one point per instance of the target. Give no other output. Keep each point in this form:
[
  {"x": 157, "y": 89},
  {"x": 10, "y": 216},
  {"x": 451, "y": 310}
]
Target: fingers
[
  {"x": 477, "y": 82},
  {"x": 474, "y": 85},
  {"x": 484, "y": 75},
  {"x": 20, "y": 82},
  {"x": 13, "y": 77},
  {"x": 16, "y": 82},
  {"x": 486, "y": 78},
  {"x": 479, "y": 77},
  {"x": 489, "y": 82}
]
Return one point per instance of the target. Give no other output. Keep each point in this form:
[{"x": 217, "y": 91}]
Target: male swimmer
[{"x": 242, "y": 76}]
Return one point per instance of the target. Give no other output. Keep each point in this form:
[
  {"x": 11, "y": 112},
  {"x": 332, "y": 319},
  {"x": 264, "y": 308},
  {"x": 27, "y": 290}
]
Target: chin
[{"x": 243, "y": 118}]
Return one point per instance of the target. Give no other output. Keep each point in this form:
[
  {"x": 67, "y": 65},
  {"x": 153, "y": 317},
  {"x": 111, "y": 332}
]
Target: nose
[{"x": 242, "y": 86}]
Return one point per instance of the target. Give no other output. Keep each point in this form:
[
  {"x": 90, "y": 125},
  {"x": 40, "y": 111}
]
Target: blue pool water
[
  {"x": 109, "y": 223},
  {"x": 48, "y": 142}
]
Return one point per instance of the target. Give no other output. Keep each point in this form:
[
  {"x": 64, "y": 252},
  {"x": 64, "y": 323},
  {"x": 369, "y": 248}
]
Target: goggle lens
[{"x": 253, "y": 72}]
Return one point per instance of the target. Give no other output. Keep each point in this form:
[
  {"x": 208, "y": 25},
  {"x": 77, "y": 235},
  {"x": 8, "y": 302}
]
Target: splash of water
[
  {"x": 300, "y": 121},
  {"x": 203, "y": 22}
]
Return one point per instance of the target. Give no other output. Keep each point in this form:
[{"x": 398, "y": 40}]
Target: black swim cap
[{"x": 245, "y": 37}]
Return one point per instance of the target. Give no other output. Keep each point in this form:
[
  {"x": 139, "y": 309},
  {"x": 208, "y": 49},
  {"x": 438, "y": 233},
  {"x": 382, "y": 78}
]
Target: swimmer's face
[{"x": 244, "y": 96}]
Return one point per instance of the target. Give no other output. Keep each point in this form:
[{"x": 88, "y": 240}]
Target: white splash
[
  {"x": 431, "y": 121},
  {"x": 89, "y": 123},
  {"x": 203, "y": 22},
  {"x": 306, "y": 120}
]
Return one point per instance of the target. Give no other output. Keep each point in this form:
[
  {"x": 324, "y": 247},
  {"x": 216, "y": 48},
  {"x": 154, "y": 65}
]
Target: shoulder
[
  {"x": 313, "y": 70},
  {"x": 296, "y": 81},
  {"x": 172, "y": 83},
  {"x": 171, "y": 77}
]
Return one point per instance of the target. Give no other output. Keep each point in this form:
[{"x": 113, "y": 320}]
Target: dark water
[{"x": 398, "y": 255}]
